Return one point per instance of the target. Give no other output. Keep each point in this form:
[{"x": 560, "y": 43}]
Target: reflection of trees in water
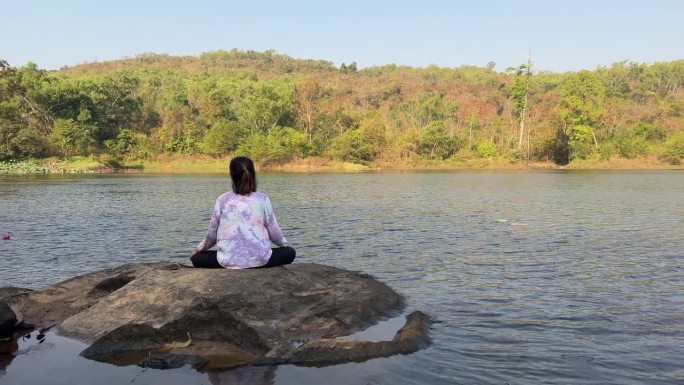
[{"x": 246, "y": 375}]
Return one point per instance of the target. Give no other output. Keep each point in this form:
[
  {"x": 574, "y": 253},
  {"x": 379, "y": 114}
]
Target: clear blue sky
[{"x": 562, "y": 35}]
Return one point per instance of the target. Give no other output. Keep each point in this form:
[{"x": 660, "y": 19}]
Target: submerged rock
[{"x": 167, "y": 315}]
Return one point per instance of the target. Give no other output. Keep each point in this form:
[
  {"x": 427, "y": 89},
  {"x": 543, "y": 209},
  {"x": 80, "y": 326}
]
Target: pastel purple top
[{"x": 242, "y": 227}]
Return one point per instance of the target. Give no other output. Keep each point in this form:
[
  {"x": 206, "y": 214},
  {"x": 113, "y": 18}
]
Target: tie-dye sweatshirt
[{"x": 242, "y": 227}]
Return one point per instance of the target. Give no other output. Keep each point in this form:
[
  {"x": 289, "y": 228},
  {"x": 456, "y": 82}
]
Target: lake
[{"x": 564, "y": 277}]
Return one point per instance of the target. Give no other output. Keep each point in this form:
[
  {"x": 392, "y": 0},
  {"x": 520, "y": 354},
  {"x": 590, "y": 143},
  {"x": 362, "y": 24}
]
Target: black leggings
[{"x": 279, "y": 256}]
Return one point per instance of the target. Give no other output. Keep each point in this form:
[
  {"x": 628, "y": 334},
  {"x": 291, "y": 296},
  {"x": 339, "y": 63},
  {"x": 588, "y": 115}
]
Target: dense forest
[{"x": 276, "y": 109}]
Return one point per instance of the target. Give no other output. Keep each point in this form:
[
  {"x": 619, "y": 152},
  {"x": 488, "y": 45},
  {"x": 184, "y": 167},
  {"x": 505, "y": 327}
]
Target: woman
[{"x": 242, "y": 226}]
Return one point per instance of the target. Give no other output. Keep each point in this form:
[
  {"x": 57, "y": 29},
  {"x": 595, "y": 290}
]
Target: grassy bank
[
  {"x": 169, "y": 164},
  {"x": 165, "y": 164},
  {"x": 646, "y": 163}
]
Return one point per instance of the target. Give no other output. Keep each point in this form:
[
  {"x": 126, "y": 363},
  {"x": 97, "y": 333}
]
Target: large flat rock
[{"x": 291, "y": 314}]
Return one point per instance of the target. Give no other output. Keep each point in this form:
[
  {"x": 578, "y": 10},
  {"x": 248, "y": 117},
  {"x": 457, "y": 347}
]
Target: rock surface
[
  {"x": 8, "y": 320},
  {"x": 167, "y": 315}
]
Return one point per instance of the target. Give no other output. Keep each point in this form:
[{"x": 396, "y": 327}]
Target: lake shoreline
[{"x": 173, "y": 164}]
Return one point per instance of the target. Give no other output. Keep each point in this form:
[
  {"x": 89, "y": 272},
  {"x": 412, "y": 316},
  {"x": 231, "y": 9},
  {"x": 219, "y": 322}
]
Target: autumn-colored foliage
[{"x": 277, "y": 108}]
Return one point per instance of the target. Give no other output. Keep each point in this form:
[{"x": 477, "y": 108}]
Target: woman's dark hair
[{"x": 243, "y": 175}]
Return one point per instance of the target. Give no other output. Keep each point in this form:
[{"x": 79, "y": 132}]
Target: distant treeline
[{"x": 275, "y": 108}]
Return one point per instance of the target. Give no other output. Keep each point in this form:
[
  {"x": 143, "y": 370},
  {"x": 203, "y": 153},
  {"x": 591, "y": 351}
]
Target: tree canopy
[{"x": 277, "y": 108}]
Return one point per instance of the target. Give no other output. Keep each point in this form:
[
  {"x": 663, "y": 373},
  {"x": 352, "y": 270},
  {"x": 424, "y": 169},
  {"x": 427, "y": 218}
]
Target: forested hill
[{"x": 275, "y": 109}]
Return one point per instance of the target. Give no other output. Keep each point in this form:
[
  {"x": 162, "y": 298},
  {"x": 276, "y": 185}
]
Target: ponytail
[{"x": 243, "y": 175}]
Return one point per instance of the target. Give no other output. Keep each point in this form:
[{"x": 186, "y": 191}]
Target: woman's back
[
  {"x": 242, "y": 226},
  {"x": 246, "y": 228}
]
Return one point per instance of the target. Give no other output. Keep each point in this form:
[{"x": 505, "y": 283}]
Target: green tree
[
  {"x": 351, "y": 146},
  {"x": 581, "y": 107},
  {"x": 19, "y": 138},
  {"x": 265, "y": 105},
  {"x": 10, "y": 117},
  {"x": 280, "y": 145},
  {"x": 223, "y": 137},
  {"x": 332, "y": 124},
  {"x": 486, "y": 149},
  {"x": 29, "y": 88},
  {"x": 435, "y": 142},
  {"x": 373, "y": 132},
  {"x": 520, "y": 95},
  {"x": 428, "y": 108},
  {"x": 73, "y": 137},
  {"x": 112, "y": 104},
  {"x": 616, "y": 79},
  {"x": 125, "y": 141},
  {"x": 630, "y": 142},
  {"x": 673, "y": 149}
]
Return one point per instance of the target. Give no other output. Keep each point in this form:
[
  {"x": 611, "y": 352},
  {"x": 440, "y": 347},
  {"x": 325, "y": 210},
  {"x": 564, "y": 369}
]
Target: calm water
[{"x": 582, "y": 283}]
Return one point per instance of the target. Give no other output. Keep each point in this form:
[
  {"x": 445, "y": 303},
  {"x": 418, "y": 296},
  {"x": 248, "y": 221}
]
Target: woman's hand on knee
[{"x": 193, "y": 252}]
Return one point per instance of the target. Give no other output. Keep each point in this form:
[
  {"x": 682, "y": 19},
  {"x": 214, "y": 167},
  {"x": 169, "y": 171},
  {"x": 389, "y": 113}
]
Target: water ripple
[{"x": 534, "y": 277}]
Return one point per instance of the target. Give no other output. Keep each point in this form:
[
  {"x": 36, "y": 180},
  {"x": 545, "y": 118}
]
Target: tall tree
[
  {"x": 520, "y": 96},
  {"x": 581, "y": 107},
  {"x": 265, "y": 105},
  {"x": 308, "y": 97}
]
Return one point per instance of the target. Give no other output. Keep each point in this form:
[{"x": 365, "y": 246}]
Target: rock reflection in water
[
  {"x": 7, "y": 350},
  {"x": 56, "y": 361},
  {"x": 253, "y": 375}
]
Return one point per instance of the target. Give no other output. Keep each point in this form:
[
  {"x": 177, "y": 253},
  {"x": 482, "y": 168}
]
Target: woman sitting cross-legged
[{"x": 242, "y": 227}]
